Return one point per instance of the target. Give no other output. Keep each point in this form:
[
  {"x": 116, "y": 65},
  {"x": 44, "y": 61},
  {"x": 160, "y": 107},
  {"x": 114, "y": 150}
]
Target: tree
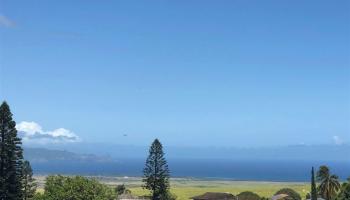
[
  {"x": 248, "y": 196},
  {"x": 292, "y": 195},
  {"x": 329, "y": 184},
  {"x": 156, "y": 172},
  {"x": 29, "y": 185},
  {"x": 121, "y": 189},
  {"x": 313, "y": 195},
  {"x": 11, "y": 157},
  {"x": 169, "y": 196},
  {"x": 74, "y": 188},
  {"x": 308, "y": 196},
  {"x": 39, "y": 196},
  {"x": 344, "y": 193}
]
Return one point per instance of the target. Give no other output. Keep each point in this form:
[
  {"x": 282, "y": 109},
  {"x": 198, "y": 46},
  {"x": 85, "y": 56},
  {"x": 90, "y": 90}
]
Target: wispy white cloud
[
  {"x": 33, "y": 132},
  {"x": 6, "y": 22},
  {"x": 337, "y": 140}
]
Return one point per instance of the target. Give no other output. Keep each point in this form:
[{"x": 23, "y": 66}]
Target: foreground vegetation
[
  {"x": 184, "y": 188},
  {"x": 17, "y": 183},
  {"x": 61, "y": 187}
]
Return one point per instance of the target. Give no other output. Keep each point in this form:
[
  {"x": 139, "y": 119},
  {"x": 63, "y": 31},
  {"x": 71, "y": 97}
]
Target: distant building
[{"x": 215, "y": 196}]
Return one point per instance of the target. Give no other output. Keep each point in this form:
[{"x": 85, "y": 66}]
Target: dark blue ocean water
[{"x": 257, "y": 170}]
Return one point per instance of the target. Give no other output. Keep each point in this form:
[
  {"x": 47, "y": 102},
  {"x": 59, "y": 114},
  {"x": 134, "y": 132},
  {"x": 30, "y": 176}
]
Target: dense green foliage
[
  {"x": 329, "y": 184},
  {"x": 292, "y": 195},
  {"x": 344, "y": 193},
  {"x": 74, "y": 188},
  {"x": 11, "y": 157},
  {"x": 29, "y": 185},
  {"x": 248, "y": 196},
  {"x": 121, "y": 189},
  {"x": 169, "y": 196},
  {"x": 156, "y": 172},
  {"x": 313, "y": 195}
]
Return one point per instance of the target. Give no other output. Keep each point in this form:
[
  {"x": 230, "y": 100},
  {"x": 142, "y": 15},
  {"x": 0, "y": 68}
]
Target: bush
[
  {"x": 120, "y": 189},
  {"x": 292, "y": 195},
  {"x": 38, "y": 196},
  {"x": 344, "y": 193},
  {"x": 74, "y": 188},
  {"x": 165, "y": 196},
  {"x": 308, "y": 196},
  {"x": 169, "y": 196},
  {"x": 248, "y": 196}
]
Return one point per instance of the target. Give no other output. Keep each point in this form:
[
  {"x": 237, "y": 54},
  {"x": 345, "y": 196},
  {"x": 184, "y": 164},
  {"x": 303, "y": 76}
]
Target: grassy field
[{"x": 184, "y": 188}]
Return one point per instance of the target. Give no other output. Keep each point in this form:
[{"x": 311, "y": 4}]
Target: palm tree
[{"x": 329, "y": 184}]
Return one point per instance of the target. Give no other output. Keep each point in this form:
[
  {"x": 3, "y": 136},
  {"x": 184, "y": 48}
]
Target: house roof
[{"x": 214, "y": 195}]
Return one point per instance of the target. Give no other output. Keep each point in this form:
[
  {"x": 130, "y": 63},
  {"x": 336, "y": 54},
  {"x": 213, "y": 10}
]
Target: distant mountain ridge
[
  {"x": 48, "y": 161},
  {"x": 47, "y": 155},
  {"x": 110, "y": 152}
]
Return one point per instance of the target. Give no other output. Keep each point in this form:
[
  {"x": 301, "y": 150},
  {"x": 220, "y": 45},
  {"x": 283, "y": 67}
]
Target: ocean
[{"x": 249, "y": 170}]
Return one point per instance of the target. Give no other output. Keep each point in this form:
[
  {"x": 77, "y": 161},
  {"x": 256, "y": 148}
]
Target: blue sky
[{"x": 212, "y": 73}]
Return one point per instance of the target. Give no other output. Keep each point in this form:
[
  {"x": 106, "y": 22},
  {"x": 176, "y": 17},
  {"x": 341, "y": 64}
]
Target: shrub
[
  {"x": 169, "y": 196},
  {"x": 344, "y": 193},
  {"x": 248, "y": 196},
  {"x": 75, "y": 188},
  {"x": 292, "y": 195},
  {"x": 120, "y": 189}
]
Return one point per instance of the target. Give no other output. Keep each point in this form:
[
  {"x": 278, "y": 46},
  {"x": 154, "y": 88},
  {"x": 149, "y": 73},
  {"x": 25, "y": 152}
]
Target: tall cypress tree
[
  {"x": 313, "y": 185},
  {"x": 156, "y": 172},
  {"x": 11, "y": 157},
  {"x": 29, "y": 185}
]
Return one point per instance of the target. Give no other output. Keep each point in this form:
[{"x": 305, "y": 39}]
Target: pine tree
[
  {"x": 11, "y": 157},
  {"x": 156, "y": 172},
  {"x": 313, "y": 185},
  {"x": 29, "y": 185}
]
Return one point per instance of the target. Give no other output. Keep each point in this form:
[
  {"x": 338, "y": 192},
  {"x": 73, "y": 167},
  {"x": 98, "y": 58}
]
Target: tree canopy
[
  {"x": 248, "y": 196},
  {"x": 344, "y": 193},
  {"x": 292, "y": 194},
  {"x": 156, "y": 172},
  {"x": 329, "y": 184},
  {"x": 75, "y": 188},
  {"x": 29, "y": 184},
  {"x": 313, "y": 194},
  {"x": 11, "y": 157}
]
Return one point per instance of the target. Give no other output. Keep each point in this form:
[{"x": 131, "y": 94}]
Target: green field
[{"x": 184, "y": 188}]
